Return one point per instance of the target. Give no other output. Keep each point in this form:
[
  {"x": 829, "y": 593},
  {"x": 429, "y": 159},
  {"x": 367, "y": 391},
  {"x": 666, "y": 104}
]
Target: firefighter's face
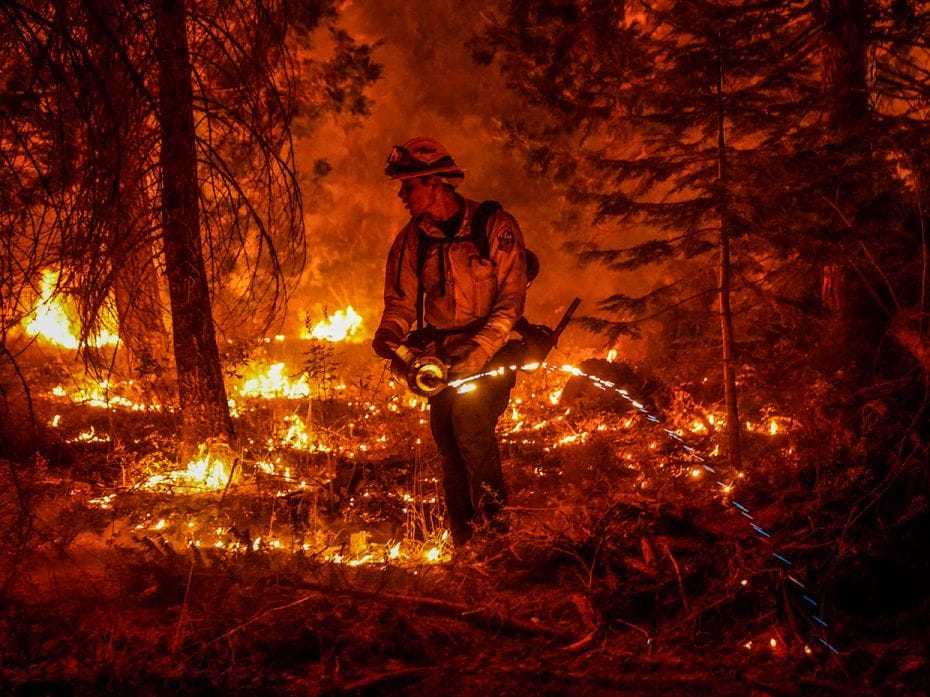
[{"x": 418, "y": 194}]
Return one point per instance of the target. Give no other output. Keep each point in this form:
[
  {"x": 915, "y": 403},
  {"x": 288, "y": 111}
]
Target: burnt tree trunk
[
  {"x": 202, "y": 394},
  {"x": 734, "y": 449}
]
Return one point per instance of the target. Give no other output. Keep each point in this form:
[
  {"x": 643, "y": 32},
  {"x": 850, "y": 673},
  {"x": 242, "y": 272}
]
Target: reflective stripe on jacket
[{"x": 493, "y": 289}]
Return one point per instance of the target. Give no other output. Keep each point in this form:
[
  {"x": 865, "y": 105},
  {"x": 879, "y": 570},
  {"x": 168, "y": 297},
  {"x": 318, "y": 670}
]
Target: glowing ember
[
  {"x": 49, "y": 320},
  {"x": 342, "y": 325},
  {"x": 103, "y": 502},
  {"x": 90, "y": 436},
  {"x": 296, "y": 436},
  {"x": 105, "y": 395}
]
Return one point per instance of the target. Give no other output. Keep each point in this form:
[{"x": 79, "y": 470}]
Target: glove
[
  {"x": 467, "y": 360},
  {"x": 384, "y": 343}
]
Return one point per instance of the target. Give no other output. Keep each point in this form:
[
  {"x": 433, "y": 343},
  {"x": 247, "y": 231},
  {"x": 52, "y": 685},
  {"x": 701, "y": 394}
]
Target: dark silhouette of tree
[{"x": 875, "y": 79}]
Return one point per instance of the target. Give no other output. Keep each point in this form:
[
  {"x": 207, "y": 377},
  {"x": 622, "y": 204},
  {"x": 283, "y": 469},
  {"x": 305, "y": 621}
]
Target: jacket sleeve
[
  {"x": 400, "y": 283},
  {"x": 507, "y": 250}
]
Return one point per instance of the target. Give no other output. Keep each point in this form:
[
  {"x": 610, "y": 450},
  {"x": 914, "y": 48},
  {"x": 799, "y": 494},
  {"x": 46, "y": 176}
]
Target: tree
[
  {"x": 874, "y": 73},
  {"x": 670, "y": 123},
  {"x": 204, "y": 410},
  {"x": 216, "y": 124},
  {"x": 789, "y": 137}
]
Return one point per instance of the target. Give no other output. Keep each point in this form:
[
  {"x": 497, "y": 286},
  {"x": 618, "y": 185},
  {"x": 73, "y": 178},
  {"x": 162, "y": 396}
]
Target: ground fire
[
  {"x": 278, "y": 455},
  {"x": 297, "y": 459}
]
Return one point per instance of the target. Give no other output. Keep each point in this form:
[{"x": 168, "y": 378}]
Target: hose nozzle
[{"x": 424, "y": 374}]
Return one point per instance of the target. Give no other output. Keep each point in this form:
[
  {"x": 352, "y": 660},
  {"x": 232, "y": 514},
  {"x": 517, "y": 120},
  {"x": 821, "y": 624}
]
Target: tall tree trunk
[
  {"x": 844, "y": 64},
  {"x": 734, "y": 449},
  {"x": 202, "y": 394},
  {"x": 845, "y": 85}
]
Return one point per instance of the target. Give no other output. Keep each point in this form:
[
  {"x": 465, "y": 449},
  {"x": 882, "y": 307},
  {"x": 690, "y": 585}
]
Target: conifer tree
[
  {"x": 98, "y": 142},
  {"x": 672, "y": 124},
  {"x": 790, "y": 137},
  {"x": 874, "y": 172}
]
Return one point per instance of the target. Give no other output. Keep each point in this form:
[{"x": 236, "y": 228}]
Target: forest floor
[{"x": 317, "y": 563}]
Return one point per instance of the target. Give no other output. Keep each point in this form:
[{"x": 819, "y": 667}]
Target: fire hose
[{"x": 426, "y": 374}]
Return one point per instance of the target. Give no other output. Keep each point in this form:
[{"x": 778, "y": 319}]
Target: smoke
[{"x": 430, "y": 86}]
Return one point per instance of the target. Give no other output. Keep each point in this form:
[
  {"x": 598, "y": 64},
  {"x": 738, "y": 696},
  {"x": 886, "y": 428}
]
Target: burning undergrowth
[{"x": 314, "y": 556}]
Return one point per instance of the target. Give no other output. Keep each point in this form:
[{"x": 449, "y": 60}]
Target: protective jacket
[{"x": 466, "y": 296}]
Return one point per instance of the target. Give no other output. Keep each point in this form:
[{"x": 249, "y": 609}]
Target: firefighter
[{"x": 462, "y": 289}]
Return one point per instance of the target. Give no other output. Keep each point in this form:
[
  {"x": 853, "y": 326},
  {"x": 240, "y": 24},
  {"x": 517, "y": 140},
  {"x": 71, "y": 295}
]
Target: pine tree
[
  {"x": 217, "y": 128},
  {"x": 671, "y": 124}
]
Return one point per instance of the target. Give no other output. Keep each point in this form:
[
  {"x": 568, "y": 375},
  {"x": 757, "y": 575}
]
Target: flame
[
  {"x": 104, "y": 394},
  {"x": 274, "y": 383},
  {"x": 215, "y": 469},
  {"x": 296, "y": 436},
  {"x": 342, "y": 325},
  {"x": 210, "y": 471},
  {"x": 50, "y": 321}
]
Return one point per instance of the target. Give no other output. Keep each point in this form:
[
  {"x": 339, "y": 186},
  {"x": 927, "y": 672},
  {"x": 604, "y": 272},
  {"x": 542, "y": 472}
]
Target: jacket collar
[{"x": 428, "y": 226}]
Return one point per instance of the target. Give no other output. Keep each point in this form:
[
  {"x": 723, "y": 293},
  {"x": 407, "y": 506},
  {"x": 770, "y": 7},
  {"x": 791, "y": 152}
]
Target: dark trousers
[{"x": 463, "y": 429}]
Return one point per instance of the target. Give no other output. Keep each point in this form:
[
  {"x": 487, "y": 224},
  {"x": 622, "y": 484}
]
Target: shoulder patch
[{"x": 505, "y": 239}]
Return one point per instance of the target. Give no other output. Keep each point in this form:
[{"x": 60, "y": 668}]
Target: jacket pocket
[{"x": 483, "y": 287}]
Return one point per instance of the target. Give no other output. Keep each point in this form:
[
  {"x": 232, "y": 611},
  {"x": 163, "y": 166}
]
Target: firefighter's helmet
[{"x": 419, "y": 157}]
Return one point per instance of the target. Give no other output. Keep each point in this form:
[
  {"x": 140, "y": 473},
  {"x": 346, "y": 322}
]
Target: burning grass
[{"x": 313, "y": 558}]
